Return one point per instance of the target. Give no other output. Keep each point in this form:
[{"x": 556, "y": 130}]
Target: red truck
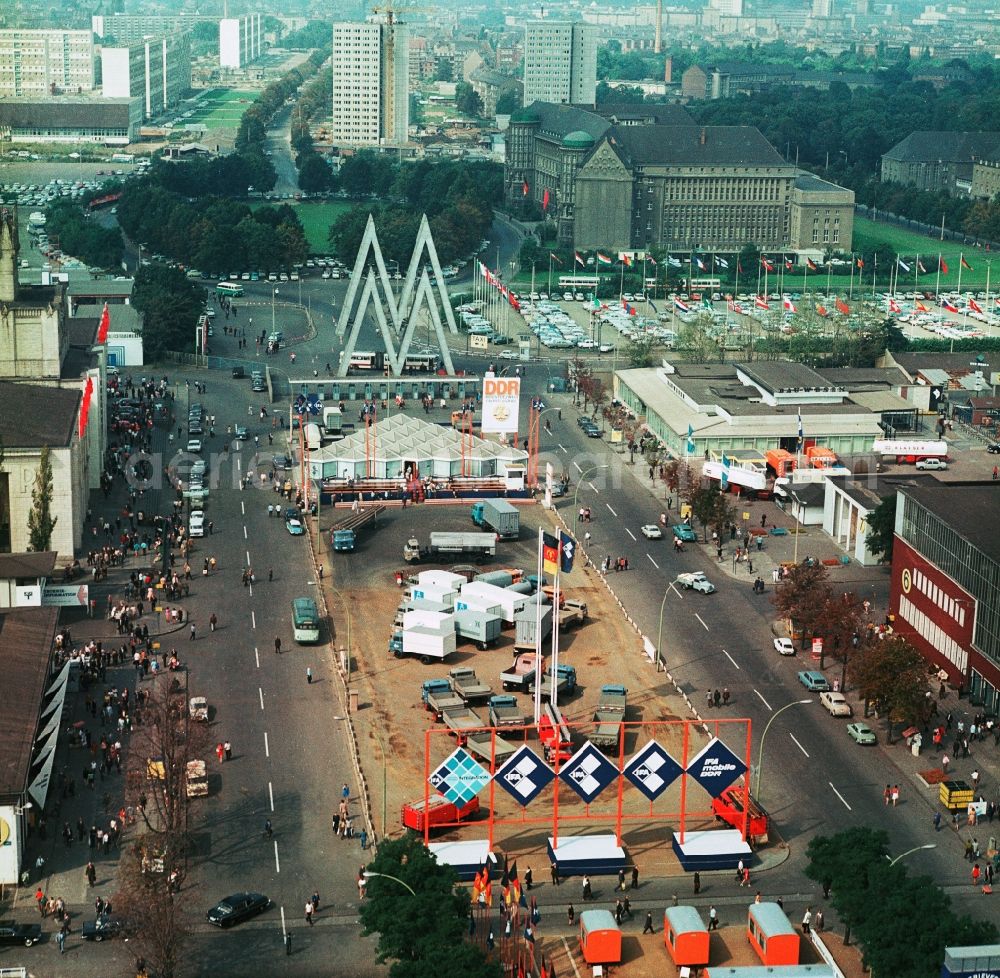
[
  {"x": 728, "y": 807},
  {"x": 439, "y": 810}
]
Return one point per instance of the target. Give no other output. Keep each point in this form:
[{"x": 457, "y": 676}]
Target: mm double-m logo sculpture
[{"x": 397, "y": 329}]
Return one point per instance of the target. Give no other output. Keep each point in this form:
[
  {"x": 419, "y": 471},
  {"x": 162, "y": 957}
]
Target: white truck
[
  {"x": 445, "y": 546},
  {"x": 425, "y": 644},
  {"x": 696, "y": 581}
]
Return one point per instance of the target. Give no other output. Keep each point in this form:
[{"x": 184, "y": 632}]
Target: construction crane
[{"x": 394, "y": 12}]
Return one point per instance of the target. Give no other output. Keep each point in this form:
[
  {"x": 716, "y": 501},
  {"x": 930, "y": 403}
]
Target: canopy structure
[{"x": 404, "y": 447}]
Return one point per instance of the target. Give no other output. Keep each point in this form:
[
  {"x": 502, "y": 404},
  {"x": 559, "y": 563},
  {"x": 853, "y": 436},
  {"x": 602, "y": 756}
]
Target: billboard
[
  {"x": 66, "y": 596},
  {"x": 501, "y": 401}
]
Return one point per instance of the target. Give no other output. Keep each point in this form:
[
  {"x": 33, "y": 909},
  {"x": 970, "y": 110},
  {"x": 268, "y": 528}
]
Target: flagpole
[
  {"x": 937, "y": 283},
  {"x": 850, "y": 291},
  {"x": 874, "y": 272},
  {"x": 553, "y": 688},
  {"x": 961, "y": 258},
  {"x": 916, "y": 270},
  {"x": 760, "y": 264},
  {"x": 538, "y": 637},
  {"x": 805, "y": 273},
  {"x": 549, "y": 289},
  {"x": 621, "y": 282},
  {"x": 829, "y": 275},
  {"x": 533, "y": 273}
]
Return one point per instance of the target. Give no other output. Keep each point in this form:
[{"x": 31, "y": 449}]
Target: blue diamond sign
[
  {"x": 460, "y": 778},
  {"x": 524, "y": 776},
  {"x": 652, "y": 770},
  {"x": 715, "y": 767},
  {"x": 588, "y": 772}
]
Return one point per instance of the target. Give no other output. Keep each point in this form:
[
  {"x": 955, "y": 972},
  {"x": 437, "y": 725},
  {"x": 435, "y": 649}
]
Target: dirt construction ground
[{"x": 606, "y": 649}]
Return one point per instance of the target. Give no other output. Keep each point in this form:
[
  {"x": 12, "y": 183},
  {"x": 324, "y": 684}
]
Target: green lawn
[
  {"x": 223, "y": 106},
  {"x": 908, "y": 244},
  {"x": 316, "y": 218}
]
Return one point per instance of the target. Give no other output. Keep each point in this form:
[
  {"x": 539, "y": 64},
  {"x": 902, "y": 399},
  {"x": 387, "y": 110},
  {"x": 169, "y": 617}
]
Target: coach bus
[
  {"x": 578, "y": 281},
  {"x": 366, "y": 361},
  {"x": 419, "y": 363},
  {"x": 305, "y": 621},
  {"x": 232, "y": 290}
]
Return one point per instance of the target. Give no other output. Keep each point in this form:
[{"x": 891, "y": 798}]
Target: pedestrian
[
  {"x": 309, "y": 674},
  {"x": 321, "y": 572},
  {"x": 725, "y": 696},
  {"x": 314, "y": 900},
  {"x": 895, "y": 795},
  {"x": 827, "y": 885},
  {"x": 220, "y": 751},
  {"x": 976, "y": 873},
  {"x": 309, "y": 913},
  {"x": 648, "y": 926},
  {"x": 228, "y": 748},
  {"x": 587, "y": 891},
  {"x": 887, "y": 796},
  {"x": 937, "y": 821},
  {"x": 806, "y": 920},
  {"x": 621, "y": 879},
  {"x": 697, "y": 882},
  {"x": 345, "y": 792},
  {"x": 277, "y": 645},
  {"x": 975, "y": 780},
  {"x": 288, "y": 943},
  {"x": 716, "y": 698},
  {"x": 819, "y": 922},
  {"x": 212, "y": 621},
  {"x": 61, "y": 940},
  {"x": 570, "y": 915},
  {"x": 635, "y": 877},
  {"x": 713, "y": 918},
  {"x": 944, "y": 764},
  {"x": 192, "y": 633},
  {"x": 91, "y": 873},
  {"x": 554, "y": 873},
  {"x": 335, "y": 822},
  {"x": 362, "y": 884},
  {"x": 528, "y": 878},
  {"x": 708, "y": 698}
]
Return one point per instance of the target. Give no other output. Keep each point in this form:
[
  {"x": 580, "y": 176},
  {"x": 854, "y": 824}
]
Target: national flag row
[{"x": 496, "y": 282}]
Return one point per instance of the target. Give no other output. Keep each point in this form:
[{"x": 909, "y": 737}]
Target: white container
[
  {"x": 426, "y": 642},
  {"x": 440, "y": 579},
  {"x": 436, "y": 621},
  {"x": 509, "y": 602}
]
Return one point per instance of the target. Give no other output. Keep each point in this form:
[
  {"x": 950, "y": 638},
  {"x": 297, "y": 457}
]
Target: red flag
[
  {"x": 477, "y": 884},
  {"x": 102, "y": 330},
  {"x": 894, "y": 306},
  {"x": 505, "y": 884},
  {"x": 789, "y": 305},
  {"x": 965, "y": 264},
  {"x": 554, "y": 258},
  {"x": 524, "y": 189},
  {"x": 860, "y": 263},
  {"x": 767, "y": 265},
  {"x": 974, "y": 306},
  {"x": 578, "y": 258},
  {"x": 85, "y": 405},
  {"x": 651, "y": 259},
  {"x": 920, "y": 307},
  {"x": 811, "y": 265},
  {"x": 943, "y": 265},
  {"x": 626, "y": 260},
  {"x": 788, "y": 265},
  {"x": 821, "y": 310},
  {"x": 739, "y": 267},
  {"x": 843, "y": 307},
  {"x": 760, "y": 302},
  {"x": 948, "y": 306},
  {"x": 543, "y": 972},
  {"x": 545, "y": 199},
  {"x": 486, "y": 885},
  {"x": 515, "y": 885}
]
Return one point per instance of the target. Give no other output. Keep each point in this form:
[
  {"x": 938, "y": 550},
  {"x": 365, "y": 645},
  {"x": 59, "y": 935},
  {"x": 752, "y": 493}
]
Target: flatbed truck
[
  {"x": 468, "y": 685},
  {"x": 460, "y": 720},
  {"x": 505, "y": 711},
  {"x": 344, "y": 533},
  {"x": 477, "y": 546},
  {"x": 416, "y": 815},
  {"x": 438, "y": 695}
]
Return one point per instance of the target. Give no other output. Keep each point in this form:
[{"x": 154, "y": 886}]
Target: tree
[
  {"x": 704, "y": 502},
  {"x": 881, "y": 528},
  {"x": 508, "y": 102},
  {"x": 892, "y": 675},
  {"x": 697, "y": 343},
  {"x": 639, "y": 351},
  {"x": 444, "y": 71},
  {"x": 170, "y": 307},
  {"x": 41, "y": 522},
  {"x": 802, "y": 595},
  {"x": 420, "y": 944},
  {"x": 467, "y": 100}
]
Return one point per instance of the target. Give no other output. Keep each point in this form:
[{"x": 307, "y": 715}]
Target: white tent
[{"x": 402, "y": 443}]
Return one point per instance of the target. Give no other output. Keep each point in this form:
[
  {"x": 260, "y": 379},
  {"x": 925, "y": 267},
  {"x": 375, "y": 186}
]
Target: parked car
[
  {"x": 836, "y": 704},
  {"x": 814, "y": 681},
  {"x": 861, "y": 733},
  {"x": 239, "y": 373},
  {"x": 784, "y": 646},
  {"x": 294, "y": 526},
  {"x": 102, "y": 929},
  {"x": 932, "y": 464},
  {"x": 684, "y": 532},
  {"x": 281, "y": 461}
]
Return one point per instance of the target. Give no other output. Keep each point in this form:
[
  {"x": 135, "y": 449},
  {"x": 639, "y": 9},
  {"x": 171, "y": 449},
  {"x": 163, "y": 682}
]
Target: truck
[
  {"x": 521, "y": 676},
  {"x": 696, "y": 581},
  {"x": 572, "y": 613},
  {"x": 908, "y": 451},
  {"x": 613, "y": 699},
  {"x": 333, "y": 423},
  {"x": 460, "y": 720},
  {"x": 417, "y": 815},
  {"x": 728, "y": 808},
  {"x": 509, "y": 602},
  {"x": 532, "y": 626},
  {"x": 500, "y": 578},
  {"x": 479, "y": 627},
  {"x": 554, "y": 735},
  {"x": 313, "y": 437},
  {"x": 426, "y": 644},
  {"x": 438, "y": 695},
  {"x": 477, "y": 546},
  {"x": 344, "y": 533},
  {"x": 489, "y": 746},
  {"x": 498, "y": 515},
  {"x": 505, "y": 712},
  {"x": 468, "y": 685}
]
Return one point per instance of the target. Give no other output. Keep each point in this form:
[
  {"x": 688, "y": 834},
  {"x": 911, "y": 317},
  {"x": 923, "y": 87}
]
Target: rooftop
[
  {"x": 32, "y": 416},
  {"x": 34, "y": 296},
  {"x": 100, "y": 287},
  {"x": 27, "y": 565},
  {"x": 969, "y": 508},
  {"x": 697, "y": 146},
  {"x": 937, "y": 146},
  {"x": 782, "y": 375},
  {"x": 27, "y": 636}
]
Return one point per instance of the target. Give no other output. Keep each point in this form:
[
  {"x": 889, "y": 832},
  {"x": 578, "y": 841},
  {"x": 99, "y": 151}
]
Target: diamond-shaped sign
[
  {"x": 460, "y": 778},
  {"x": 652, "y": 770},
  {"x": 524, "y": 776},
  {"x": 715, "y": 767},
  {"x": 588, "y": 772}
]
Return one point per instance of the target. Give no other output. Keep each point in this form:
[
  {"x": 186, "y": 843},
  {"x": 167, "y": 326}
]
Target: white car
[
  {"x": 836, "y": 703},
  {"x": 931, "y": 464},
  {"x": 509, "y": 355},
  {"x": 784, "y": 646},
  {"x": 196, "y": 523},
  {"x": 651, "y": 531},
  {"x": 194, "y": 446}
]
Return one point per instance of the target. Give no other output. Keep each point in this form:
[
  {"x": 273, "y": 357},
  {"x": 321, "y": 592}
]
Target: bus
[
  {"x": 232, "y": 290},
  {"x": 313, "y": 437},
  {"x": 419, "y": 363},
  {"x": 305, "y": 621},
  {"x": 578, "y": 281},
  {"x": 366, "y": 361}
]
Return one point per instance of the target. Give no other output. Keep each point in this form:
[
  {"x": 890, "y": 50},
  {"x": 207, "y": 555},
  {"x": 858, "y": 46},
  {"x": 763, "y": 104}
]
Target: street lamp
[
  {"x": 583, "y": 475},
  {"x": 368, "y": 874},
  {"x": 760, "y": 750},
  {"x": 927, "y": 845},
  {"x": 273, "y": 294},
  {"x": 659, "y": 633}
]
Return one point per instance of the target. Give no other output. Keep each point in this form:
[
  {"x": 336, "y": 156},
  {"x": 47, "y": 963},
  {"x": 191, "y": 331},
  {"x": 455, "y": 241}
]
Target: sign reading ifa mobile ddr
[
  {"x": 715, "y": 767},
  {"x": 501, "y": 402}
]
